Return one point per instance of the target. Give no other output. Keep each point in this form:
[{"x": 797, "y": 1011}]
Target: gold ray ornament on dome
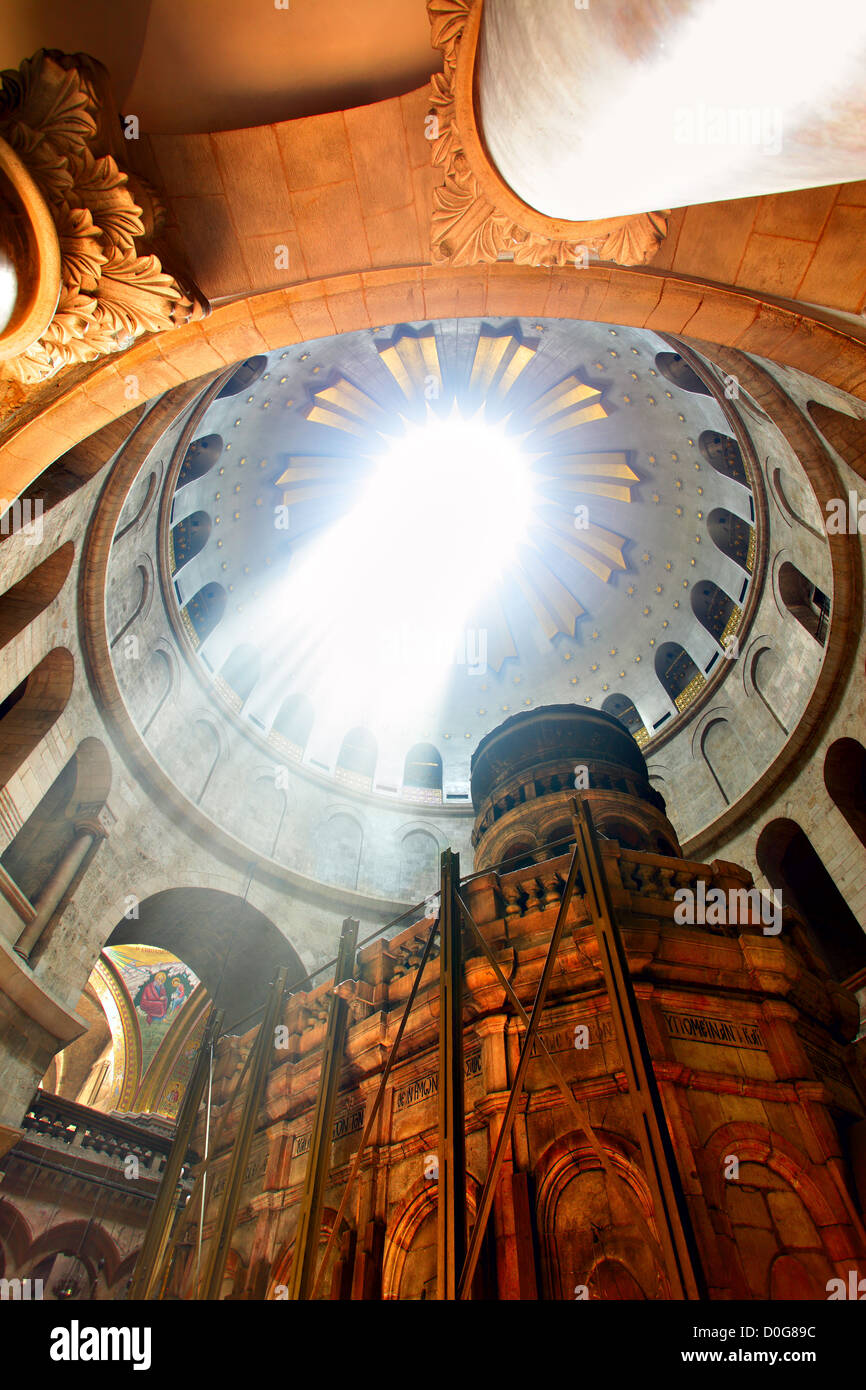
[{"x": 561, "y": 539}]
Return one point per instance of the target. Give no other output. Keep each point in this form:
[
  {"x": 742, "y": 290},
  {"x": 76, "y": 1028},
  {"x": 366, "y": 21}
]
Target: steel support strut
[
  {"x": 262, "y": 1054},
  {"x": 319, "y": 1157},
  {"x": 451, "y": 1226},
  {"x": 486, "y": 1203},
  {"x": 670, "y": 1210},
  {"x": 150, "y": 1256}
]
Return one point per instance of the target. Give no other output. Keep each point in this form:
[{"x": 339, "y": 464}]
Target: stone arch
[
  {"x": 33, "y": 708},
  {"x": 419, "y": 863},
  {"x": 626, "y": 830},
  {"x": 804, "y": 600},
  {"x": 733, "y": 536},
  {"x": 846, "y": 433},
  {"x": 201, "y": 614},
  {"x": 675, "y": 369},
  {"x": 245, "y": 375},
  {"x": 845, "y": 780},
  {"x": 233, "y": 948},
  {"x": 794, "y": 501},
  {"x": 804, "y": 338},
  {"x": 763, "y": 674},
  {"x": 788, "y": 860},
  {"x": 86, "y": 1241},
  {"x": 204, "y": 751},
  {"x": 340, "y": 843},
  {"x": 723, "y": 454},
  {"x": 293, "y": 723},
  {"x": 143, "y": 600},
  {"x": 584, "y": 1220},
  {"x": 725, "y": 757},
  {"x": 163, "y": 660},
  {"x": 22, "y": 604},
  {"x": 188, "y": 539},
  {"x": 519, "y": 853},
  {"x": 281, "y": 1265},
  {"x": 409, "y": 1260},
  {"x": 79, "y": 790},
  {"x": 809, "y": 1192},
  {"x": 141, "y": 510},
  {"x": 263, "y": 812},
  {"x": 201, "y": 456},
  {"x": 714, "y": 609},
  {"x": 15, "y": 1237},
  {"x": 677, "y": 673},
  {"x": 356, "y": 760},
  {"x": 422, "y": 769}
]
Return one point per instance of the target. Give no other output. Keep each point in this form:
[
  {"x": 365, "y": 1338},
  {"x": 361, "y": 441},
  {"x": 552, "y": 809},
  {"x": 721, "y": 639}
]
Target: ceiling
[
  {"x": 563, "y": 624},
  {"x": 207, "y": 65}
]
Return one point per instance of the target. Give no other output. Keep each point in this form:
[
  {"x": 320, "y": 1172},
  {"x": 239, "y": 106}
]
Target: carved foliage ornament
[
  {"x": 476, "y": 217},
  {"x": 110, "y": 294}
]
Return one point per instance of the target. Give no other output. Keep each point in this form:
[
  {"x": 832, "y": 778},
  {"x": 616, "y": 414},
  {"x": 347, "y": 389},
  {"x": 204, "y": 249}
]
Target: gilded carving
[
  {"x": 50, "y": 115},
  {"x": 468, "y": 226}
]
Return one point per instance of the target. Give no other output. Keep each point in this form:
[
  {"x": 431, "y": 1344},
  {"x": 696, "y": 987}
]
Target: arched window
[
  {"x": 188, "y": 539},
  {"x": 678, "y": 674},
  {"x": 356, "y": 760},
  {"x": 788, "y": 859},
  {"x": 239, "y": 672},
  {"x": 419, "y": 864},
  {"x": 21, "y": 604},
  {"x": 517, "y": 854},
  {"x": 678, "y": 371},
  {"x": 293, "y": 723},
  {"x": 846, "y": 433},
  {"x": 808, "y": 604},
  {"x": 199, "y": 458},
  {"x": 714, "y": 610},
  {"x": 723, "y": 453},
  {"x": 243, "y": 377},
  {"x": 623, "y": 709},
  {"x": 845, "y": 780},
  {"x": 32, "y": 708},
  {"x": 203, "y": 612},
  {"x": 733, "y": 536},
  {"x": 624, "y": 831},
  {"x": 422, "y": 773}
]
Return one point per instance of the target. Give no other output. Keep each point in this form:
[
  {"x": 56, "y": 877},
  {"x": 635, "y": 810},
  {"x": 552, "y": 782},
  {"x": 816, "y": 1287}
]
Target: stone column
[{"x": 88, "y": 830}]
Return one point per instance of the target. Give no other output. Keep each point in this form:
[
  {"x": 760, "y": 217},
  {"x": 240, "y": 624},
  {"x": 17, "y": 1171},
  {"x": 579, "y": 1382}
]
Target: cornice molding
[{"x": 477, "y": 217}]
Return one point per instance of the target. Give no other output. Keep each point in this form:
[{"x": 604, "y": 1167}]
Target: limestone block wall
[{"x": 804, "y": 797}]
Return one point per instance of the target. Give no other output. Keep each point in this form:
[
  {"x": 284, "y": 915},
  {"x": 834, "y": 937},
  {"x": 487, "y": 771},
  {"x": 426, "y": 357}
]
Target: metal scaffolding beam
[
  {"x": 319, "y": 1158},
  {"x": 451, "y": 1226},
  {"x": 147, "y": 1266},
  {"x": 262, "y": 1053},
  {"x": 671, "y": 1212}
]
